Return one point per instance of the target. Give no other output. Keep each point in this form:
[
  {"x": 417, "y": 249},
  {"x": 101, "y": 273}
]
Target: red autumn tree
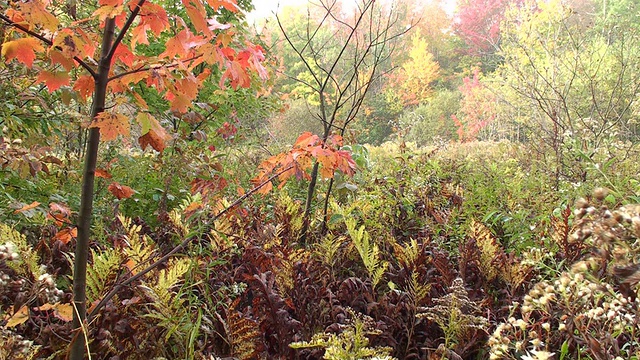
[
  {"x": 477, "y": 108},
  {"x": 477, "y": 22}
]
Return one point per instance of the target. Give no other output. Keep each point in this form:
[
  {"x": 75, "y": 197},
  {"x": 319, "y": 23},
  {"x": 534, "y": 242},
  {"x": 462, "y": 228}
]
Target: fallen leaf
[
  {"x": 20, "y": 317},
  {"x": 63, "y": 312}
]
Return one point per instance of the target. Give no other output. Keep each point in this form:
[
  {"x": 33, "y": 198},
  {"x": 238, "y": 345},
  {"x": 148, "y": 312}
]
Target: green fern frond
[
  {"x": 351, "y": 343},
  {"x": 101, "y": 273},
  {"x": 369, "y": 252},
  {"x": 327, "y": 249},
  {"x": 417, "y": 290},
  {"x": 167, "y": 279},
  {"x": 26, "y": 261}
]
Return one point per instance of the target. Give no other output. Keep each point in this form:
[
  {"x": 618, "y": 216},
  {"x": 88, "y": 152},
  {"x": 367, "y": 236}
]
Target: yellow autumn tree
[{"x": 418, "y": 73}]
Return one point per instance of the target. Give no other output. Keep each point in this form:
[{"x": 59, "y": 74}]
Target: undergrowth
[{"x": 419, "y": 260}]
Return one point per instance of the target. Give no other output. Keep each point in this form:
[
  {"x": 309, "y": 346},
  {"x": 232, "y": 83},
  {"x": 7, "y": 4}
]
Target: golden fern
[
  {"x": 168, "y": 305},
  {"x": 407, "y": 256},
  {"x": 513, "y": 272},
  {"x": 139, "y": 249},
  {"x": 24, "y": 260},
  {"x": 328, "y": 250},
  {"x": 369, "y": 252},
  {"x": 175, "y": 216},
  {"x": 244, "y": 335},
  {"x": 489, "y": 250},
  {"x": 102, "y": 272},
  {"x": 292, "y": 210},
  {"x": 351, "y": 343},
  {"x": 285, "y": 273},
  {"x": 166, "y": 280},
  {"x": 220, "y": 242}
]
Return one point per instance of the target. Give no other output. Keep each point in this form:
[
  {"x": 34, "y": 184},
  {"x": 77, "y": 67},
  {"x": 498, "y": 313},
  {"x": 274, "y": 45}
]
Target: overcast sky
[{"x": 265, "y": 8}]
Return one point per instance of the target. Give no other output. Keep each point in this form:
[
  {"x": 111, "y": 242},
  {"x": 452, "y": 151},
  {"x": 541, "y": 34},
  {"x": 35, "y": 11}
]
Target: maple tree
[
  {"x": 477, "y": 108},
  {"x": 478, "y": 24},
  {"x": 339, "y": 57},
  {"x": 103, "y": 56}
]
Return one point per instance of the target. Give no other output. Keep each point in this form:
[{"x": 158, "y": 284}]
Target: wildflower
[
  {"x": 536, "y": 343},
  {"x": 542, "y": 355}
]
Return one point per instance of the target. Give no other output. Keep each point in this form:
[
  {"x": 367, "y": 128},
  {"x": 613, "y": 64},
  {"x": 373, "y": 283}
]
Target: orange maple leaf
[
  {"x": 120, "y": 191},
  {"x": 306, "y": 139},
  {"x": 101, "y": 173},
  {"x": 34, "y": 12},
  {"x": 237, "y": 74},
  {"x": 111, "y": 125},
  {"x": 155, "y": 17},
  {"x": 230, "y": 5},
  {"x": 23, "y": 50},
  {"x": 57, "y": 57},
  {"x": 196, "y": 12},
  {"x": 59, "y": 213},
  {"x": 58, "y": 208},
  {"x": 54, "y": 80},
  {"x": 153, "y": 139},
  {"x": 123, "y": 54},
  {"x": 84, "y": 86},
  {"x": 68, "y": 43},
  {"x": 179, "y": 45},
  {"x": 65, "y": 235},
  {"x": 108, "y": 11}
]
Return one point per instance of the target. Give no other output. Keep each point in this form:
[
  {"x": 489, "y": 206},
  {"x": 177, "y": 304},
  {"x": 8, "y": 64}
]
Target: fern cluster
[{"x": 351, "y": 343}]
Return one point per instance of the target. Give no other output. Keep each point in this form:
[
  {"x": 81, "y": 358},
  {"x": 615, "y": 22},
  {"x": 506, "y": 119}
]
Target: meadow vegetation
[{"x": 474, "y": 197}]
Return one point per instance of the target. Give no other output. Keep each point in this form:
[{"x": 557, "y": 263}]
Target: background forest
[{"x": 342, "y": 180}]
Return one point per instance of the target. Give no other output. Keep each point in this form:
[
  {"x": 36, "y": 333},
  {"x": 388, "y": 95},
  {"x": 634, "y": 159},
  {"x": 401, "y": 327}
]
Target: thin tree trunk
[
  {"x": 325, "y": 211},
  {"x": 306, "y": 219},
  {"x": 78, "y": 345}
]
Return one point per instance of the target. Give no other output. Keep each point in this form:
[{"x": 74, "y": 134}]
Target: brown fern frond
[
  {"x": 243, "y": 335},
  {"x": 492, "y": 255}
]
